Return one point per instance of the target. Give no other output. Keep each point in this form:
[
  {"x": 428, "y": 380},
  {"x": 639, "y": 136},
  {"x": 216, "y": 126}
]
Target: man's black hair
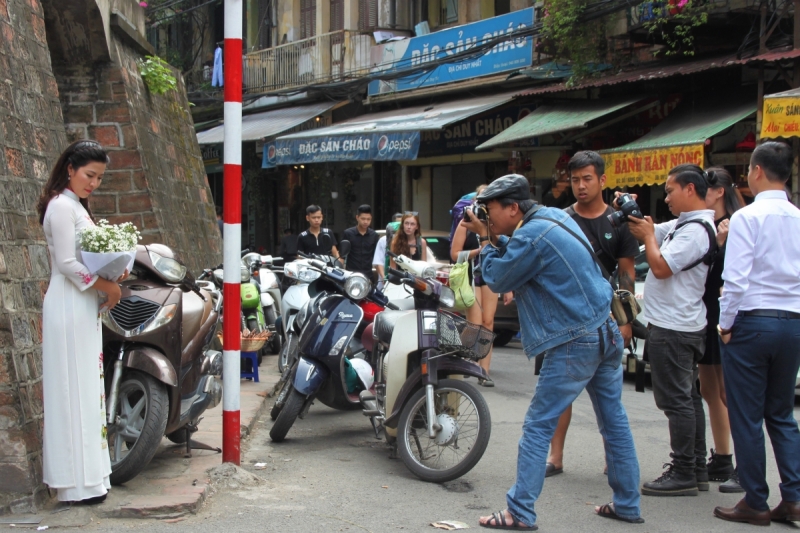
[
  {"x": 587, "y": 159},
  {"x": 310, "y": 210},
  {"x": 364, "y": 209},
  {"x": 288, "y": 231},
  {"x": 775, "y": 159},
  {"x": 524, "y": 205},
  {"x": 688, "y": 173},
  {"x": 396, "y": 216},
  {"x": 219, "y": 210}
]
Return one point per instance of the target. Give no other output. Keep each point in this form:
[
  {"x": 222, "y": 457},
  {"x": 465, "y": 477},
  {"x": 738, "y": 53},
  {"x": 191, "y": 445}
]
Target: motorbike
[
  {"x": 265, "y": 311},
  {"x": 325, "y": 361},
  {"x": 299, "y": 274},
  {"x": 162, "y": 375},
  {"x": 438, "y": 424}
]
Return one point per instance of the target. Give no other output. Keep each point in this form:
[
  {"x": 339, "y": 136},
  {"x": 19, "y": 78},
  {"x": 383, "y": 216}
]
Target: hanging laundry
[{"x": 216, "y": 76}]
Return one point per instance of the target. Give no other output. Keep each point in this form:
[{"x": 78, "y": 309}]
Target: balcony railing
[{"x": 324, "y": 58}]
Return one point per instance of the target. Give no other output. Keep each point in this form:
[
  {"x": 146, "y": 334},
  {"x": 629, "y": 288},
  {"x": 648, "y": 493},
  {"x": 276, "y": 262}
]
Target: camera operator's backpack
[
  {"x": 458, "y": 211},
  {"x": 713, "y": 250}
]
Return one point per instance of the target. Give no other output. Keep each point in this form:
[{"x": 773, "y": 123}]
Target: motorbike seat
[{"x": 384, "y": 323}]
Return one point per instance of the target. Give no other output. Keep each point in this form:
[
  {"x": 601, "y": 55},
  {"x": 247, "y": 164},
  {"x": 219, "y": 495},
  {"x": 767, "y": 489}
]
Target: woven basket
[{"x": 252, "y": 343}]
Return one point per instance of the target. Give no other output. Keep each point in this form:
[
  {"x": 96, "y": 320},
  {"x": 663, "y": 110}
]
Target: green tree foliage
[
  {"x": 567, "y": 38},
  {"x": 675, "y": 24}
]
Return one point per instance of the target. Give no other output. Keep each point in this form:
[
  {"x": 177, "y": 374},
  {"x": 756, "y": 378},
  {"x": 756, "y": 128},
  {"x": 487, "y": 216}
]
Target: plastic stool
[{"x": 252, "y": 356}]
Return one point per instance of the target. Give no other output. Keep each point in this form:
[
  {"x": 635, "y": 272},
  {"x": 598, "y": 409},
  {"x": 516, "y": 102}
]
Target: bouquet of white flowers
[{"x": 108, "y": 250}]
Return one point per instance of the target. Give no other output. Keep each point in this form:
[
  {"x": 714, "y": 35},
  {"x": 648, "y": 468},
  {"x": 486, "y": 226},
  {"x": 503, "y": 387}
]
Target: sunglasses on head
[{"x": 412, "y": 213}]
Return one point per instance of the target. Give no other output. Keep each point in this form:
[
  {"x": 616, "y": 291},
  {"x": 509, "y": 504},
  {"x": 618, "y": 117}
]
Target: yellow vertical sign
[
  {"x": 648, "y": 166},
  {"x": 781, "y": 118}
]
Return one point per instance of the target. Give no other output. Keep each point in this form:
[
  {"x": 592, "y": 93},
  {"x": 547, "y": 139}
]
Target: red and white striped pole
[{"x": 232, "y": 234}]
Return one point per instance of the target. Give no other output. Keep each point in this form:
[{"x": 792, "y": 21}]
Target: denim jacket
[{"x": 561, "y": 294}]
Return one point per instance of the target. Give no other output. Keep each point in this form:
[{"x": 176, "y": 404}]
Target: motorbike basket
[{"x": 462, "y": 338}]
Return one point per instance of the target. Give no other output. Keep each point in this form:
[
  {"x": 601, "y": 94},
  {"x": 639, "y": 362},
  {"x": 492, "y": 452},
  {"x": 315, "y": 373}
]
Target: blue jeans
[
  {"x": 760, "y": 365},
  {"x": 591, "y": 362}
]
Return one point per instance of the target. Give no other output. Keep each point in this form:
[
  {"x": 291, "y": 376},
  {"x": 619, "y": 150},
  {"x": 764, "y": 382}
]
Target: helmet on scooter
[{"x": 364, "y": 371}]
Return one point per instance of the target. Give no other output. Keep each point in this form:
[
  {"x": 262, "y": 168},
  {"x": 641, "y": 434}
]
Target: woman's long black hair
[
  {"x": 78, "y": 154},
  {"x": 733, "y": 202}
]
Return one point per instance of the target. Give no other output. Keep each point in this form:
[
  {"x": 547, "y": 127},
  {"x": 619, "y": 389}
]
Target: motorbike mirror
[{"x": 344, "y": 248}]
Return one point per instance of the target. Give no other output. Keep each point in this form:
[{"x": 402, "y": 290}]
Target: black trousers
[{"x": 673, "y": 366}]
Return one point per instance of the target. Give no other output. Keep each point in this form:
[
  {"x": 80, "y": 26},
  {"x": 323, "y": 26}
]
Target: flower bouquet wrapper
[{"x": 108, "y": 265}]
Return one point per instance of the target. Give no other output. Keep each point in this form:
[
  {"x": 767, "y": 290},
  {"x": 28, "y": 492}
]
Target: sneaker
[
  {"x": 672, "y": 483},
  {"x": 720, "y": 467},
  {"x": 732, "y": 485}
]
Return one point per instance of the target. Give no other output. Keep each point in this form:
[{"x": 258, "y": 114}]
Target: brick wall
[
  {"x": 31, "y": 137},
  {"x": 156, "y": 178}
]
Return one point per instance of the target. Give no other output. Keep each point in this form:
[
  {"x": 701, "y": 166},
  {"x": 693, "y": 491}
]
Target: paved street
[{"x": 332, "y": 475}]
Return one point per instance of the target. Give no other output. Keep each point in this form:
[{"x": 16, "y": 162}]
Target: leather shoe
[
  {"x": 786, "y": 512},
  {"x": 742, "y": 512}
]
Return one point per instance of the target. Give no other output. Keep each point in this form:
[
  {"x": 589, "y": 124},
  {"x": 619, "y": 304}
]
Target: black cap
[{"x": 513, "y": 187}]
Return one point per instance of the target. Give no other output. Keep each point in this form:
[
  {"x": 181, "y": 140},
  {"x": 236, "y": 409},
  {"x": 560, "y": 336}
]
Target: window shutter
[
  {"x": 367, "y": 15},
  {"x": 308, "y": 18},
  {"x": 337, "y": 15}
]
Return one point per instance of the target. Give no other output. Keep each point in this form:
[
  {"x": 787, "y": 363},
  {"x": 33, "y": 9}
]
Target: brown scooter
[{"x": 159, "y": 370}]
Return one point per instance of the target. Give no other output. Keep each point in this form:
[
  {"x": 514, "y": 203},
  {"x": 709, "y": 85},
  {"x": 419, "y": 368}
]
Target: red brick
[
  {"x": 7, "y": 397},
  {"x": 103, "y": 204},
  {"x": 116, "y": 181},
  {"x": 171, "y": 151},
  {"x": 124, "y": 159},
  {"x": 149, "y": 221},
  {"x": 8, "y": 34},
  {"x": 151, "y": 238},
  {"x": 80, "y": 114},
  {"x": 139, "y": 181},
  {"x": 38, "y": 29},
  {"x": 113, "y": 74},
  {"x": 203, "y": 195},
  {"x": 135, "y": 203},
  {"x": 3, "y": 10},
  {"x": 15, "y": 162},
  {"x": 129, "y": 137},
  {"x": 105, "y": 135},
  {"x": 154, "y": 125},
  {"x": 116, "y": 112},
  {"x": 42, "y": 137}
]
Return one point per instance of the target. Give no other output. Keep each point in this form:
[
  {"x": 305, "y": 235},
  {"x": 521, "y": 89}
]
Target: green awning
[
  {"x": 692, "y": 124},
  {"x": 553, "y": 118}
]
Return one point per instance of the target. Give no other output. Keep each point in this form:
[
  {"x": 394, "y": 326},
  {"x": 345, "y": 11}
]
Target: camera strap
[{"x": 530, "y": 214}]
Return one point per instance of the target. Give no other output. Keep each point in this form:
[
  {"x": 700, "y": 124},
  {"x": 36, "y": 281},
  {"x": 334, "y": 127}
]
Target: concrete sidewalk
[{"x": 172, "y": 485}]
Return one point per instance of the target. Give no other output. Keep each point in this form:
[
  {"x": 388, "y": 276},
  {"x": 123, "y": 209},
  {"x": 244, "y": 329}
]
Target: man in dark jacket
[{"x": 363, "y": 241}]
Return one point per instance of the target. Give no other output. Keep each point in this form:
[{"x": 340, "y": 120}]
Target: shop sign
[
  {"x": 463, "y": 137},
  {"x": 649, "y": 166},
  {"x": 509, "y": 55},
  {"x": 211, "y": 158},
  {"x": 781, "y": 118},
  {"x": 370, "y": 147}
]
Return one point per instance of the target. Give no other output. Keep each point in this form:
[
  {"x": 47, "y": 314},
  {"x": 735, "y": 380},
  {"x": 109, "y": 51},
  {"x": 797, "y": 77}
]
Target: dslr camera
[
  {"x": 627, "y": 208},
  {"x": 477, "y": 211}
]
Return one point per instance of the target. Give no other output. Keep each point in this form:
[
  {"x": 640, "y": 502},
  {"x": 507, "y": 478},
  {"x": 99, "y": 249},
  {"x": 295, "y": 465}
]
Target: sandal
[
  {"x": 552, "y": 470},
  {"x": 607, "y": 511},
  {"x": 498, "y": 521},
  {"x": 486, "y": 382}
]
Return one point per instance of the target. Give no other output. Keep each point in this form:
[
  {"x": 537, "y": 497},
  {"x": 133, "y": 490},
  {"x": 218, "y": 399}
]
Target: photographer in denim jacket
[
  {"x": 564, "y": 304},
  {"x": 674, "y": 308}
]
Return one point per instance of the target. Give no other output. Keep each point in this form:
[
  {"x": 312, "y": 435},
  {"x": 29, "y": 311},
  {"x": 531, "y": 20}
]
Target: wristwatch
[{"x": 722, "y": 331}]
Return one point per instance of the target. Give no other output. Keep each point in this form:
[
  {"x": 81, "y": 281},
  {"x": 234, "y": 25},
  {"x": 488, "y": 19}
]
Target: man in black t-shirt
[
  {"x": 616, "y": 249},
  {"x": 316, "y": 239},
  {"x": 363, "y": 241}
]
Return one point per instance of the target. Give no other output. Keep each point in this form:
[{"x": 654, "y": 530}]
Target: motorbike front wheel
[
  {"x": 287, "y": 416},
  {"x": 141, "y": 416},
  {"x": 458, "y": 446}
]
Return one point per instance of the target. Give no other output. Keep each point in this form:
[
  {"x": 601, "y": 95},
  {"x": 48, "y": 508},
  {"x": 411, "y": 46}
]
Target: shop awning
[
  {"x": 269, "y": 123},
  {"x": 679, "y": 139},
  {"x": 386, "y": 136},
  {"x": 554, "y": 118},
  {"x": 781, "y": 115}
]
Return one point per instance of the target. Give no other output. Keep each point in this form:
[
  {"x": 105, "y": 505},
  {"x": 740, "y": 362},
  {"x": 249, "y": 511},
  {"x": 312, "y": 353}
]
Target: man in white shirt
[
  {"x": 678, "y": 255},
  {"x": 759, "y": 326}
]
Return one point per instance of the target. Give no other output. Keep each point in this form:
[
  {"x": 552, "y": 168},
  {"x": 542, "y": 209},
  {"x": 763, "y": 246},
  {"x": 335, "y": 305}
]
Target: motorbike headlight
[
  {"x": 447, "y": 297},
  {"x": 308, "y": 274},
  {"x": 357, "y": 286},
  {"x": 164, "y": 315},
  {"x": 302, "y": 315},
  {"x": 429, "y": 273},
  {"x": 244, "y": 273},
  {"x": 172, "y": 270}
]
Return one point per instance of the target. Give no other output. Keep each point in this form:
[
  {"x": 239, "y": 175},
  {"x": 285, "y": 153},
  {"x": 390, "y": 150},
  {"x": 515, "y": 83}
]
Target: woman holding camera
[
  {"x": 483, "y": 310},
  {"x": 724, "y": 200}
]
